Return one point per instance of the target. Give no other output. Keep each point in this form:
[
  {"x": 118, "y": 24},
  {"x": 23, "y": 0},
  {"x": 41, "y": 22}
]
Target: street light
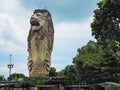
[{"x": 10, "y": 66}]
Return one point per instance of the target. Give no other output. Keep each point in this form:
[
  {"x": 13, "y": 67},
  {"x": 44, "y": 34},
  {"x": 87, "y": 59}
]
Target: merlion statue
[{"x": 40, "y": 43}]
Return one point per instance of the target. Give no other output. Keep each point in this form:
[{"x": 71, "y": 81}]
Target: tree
[
  {"x": 52, "y": 71},
  {"x": 106, "y": 29},
  {"x": 16, "y": 76},
  {"x": 106, "y": 24},
  {"x": 2, "y": 78},
  {"x": 111, "y": 66},
  {"x": 87, "y": 62},
  {"x": 69, "y": 74},
  {"x": 95, "y": 64}
]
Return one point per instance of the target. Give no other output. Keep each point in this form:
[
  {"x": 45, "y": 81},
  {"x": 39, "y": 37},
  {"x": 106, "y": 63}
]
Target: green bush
[
  {"x": 112, "y": 87},
  {"x": 39, "y": 81}
]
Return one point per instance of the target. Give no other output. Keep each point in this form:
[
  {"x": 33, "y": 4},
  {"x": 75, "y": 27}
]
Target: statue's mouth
[{"x": 34, "y": 23}]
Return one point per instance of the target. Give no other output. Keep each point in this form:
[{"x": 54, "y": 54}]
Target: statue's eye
[{"x": 38, "y": 14}]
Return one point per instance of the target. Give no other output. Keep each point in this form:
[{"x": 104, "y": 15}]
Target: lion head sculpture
[{"x": 40, "y": 43}]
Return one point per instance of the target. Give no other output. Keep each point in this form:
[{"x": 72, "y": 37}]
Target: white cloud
[
  {"x": 72, "y": 35},
  {"x": 10, "y": 5},
  {"x": 73, "y": 30},
  {"x": 20, "y": 68},
  {"x": 3, "y": 69},
  {"x": 10, "y": 47},
  {"x": 61, "y": 61},
  {"x": 12, "y": 36}
]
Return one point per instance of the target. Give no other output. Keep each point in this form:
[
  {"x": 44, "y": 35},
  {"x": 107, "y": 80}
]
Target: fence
[
  {"x": 78, "y": 87},
  {"x": 49, "y": 87},
  {"x": 8, "y": 85},
  {"x": 30, "y": 86}
]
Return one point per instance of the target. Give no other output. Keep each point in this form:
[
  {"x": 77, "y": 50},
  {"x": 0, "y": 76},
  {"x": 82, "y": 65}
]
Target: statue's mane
[
  {"x": 50, "y": 28},
  {"x": 42, "y": 11}
]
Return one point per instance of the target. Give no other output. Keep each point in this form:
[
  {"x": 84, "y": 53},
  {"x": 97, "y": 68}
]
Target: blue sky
[{"x": 71, "y": 20}]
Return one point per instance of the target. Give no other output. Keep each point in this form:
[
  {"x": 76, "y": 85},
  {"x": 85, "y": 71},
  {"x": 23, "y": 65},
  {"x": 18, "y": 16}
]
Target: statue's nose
[
  {"x": 33, "y": 16},
  {"x": 33, "y": 19}
]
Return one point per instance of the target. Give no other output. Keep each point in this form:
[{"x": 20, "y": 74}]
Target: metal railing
[{"x": 49, "y": 87}]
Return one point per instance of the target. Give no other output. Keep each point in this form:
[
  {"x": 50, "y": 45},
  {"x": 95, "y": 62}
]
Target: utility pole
[{"x": 10, "y": 66}]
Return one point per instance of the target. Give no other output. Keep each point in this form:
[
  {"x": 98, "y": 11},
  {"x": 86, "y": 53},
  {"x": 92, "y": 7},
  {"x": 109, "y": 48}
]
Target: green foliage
[
  {"x": 95, "y": 64},
  {"x": 87, "y": 62},
  {"x": 106, "y": 29},
  {"x": 69, "y": 74},
  {"x": 60, "y": 73},
  {"x": 39, "y": 81},
  {"x": 118, "y": 53},
  {"x": 2, "y": 78},
  {"x": 16, "y": 76},
  {"x": 112, "y": 87},
  {"x": 52, "y": 71},
  {"x": 106, "y": 23}
]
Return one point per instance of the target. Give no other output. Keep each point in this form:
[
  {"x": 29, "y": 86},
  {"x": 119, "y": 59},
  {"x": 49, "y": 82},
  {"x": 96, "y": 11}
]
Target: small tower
[{"x": 10, "y": 66}]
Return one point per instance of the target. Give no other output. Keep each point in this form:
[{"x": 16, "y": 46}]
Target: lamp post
[{"x": 10, "y": 66}]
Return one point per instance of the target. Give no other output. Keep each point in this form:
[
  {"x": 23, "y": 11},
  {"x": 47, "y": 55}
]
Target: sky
[{"x": 71, "y": 19}]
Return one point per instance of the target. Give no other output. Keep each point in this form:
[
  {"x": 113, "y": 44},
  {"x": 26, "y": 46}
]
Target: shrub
[
  {"x": 112, "y": 87},
  {"x": 39, "y": 81}
]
